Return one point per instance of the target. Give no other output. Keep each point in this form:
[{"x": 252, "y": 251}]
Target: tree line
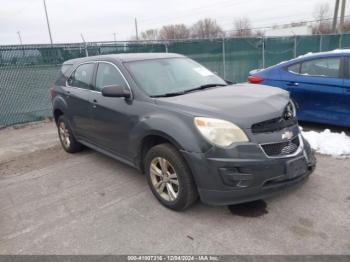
[
  {"x": 208, "y": 28},
  {"x": 204, "y": 28}
]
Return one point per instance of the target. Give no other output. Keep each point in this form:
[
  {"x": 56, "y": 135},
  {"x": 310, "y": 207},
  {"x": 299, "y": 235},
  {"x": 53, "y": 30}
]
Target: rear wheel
[
  {"x": 68, "y": 142},
  {"x": 169, "y": 177}
]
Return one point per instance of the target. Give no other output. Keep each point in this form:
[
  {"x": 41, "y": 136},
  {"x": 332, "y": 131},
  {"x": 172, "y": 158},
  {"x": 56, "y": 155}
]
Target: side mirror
[{"x": 115, "y": 91}]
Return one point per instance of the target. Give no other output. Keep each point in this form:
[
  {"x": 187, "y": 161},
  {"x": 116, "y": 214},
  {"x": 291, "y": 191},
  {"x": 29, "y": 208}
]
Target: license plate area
[{"x": 296, "y": 167}]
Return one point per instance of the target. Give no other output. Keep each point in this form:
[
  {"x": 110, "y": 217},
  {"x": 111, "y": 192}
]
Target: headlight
[
  {"x": 290, "y": 111},
  {"x": 219, "y": 132}
]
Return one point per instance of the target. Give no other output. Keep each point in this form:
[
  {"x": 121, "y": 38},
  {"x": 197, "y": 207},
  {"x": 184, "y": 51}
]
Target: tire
[
  {"x": 65, "y": 134},
  {"x": 182, "y": 193}
]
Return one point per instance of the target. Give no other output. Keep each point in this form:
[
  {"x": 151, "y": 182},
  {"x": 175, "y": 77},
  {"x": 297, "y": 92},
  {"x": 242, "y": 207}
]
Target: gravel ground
[{"x": 52, "y": 202}]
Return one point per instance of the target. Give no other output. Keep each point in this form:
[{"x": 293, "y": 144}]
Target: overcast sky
[{"x": 99, "y": 19}]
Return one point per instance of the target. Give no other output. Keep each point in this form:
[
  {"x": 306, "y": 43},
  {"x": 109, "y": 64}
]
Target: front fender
[{"x": 178, "y": 129}]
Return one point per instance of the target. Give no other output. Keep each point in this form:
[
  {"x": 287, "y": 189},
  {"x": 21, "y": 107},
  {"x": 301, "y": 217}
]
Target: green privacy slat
[{"x": 27, "y": 72}]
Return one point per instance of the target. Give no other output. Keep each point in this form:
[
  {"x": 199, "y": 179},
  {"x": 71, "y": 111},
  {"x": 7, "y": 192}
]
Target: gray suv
[{"x": 191, "y": 133}]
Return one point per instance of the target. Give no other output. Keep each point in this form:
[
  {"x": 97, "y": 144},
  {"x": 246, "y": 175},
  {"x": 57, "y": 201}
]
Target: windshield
[{"x": 159, "y": 77}]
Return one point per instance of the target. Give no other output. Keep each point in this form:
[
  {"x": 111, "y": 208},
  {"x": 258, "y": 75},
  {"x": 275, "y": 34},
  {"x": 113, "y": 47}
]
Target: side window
[
  {"x": 108, "y": 75},
  {"x": 326, "y": 67},
  {"x": 82, "y": 76},
  {"x": 295, "y": 69}
]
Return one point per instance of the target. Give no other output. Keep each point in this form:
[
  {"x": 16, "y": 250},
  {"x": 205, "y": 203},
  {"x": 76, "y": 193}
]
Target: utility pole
[
  {"x": 342, "y": 15},
  {"x": 47, "y": 21},
  {"x": 136, "y": 30},
  {"x": 20, "y": 38},
  {"x": 20, "y": 41},
  {"x": 86, "y": 51},
  {"x": 335, "y": 16},
  {"x": 82, "y": 37}
]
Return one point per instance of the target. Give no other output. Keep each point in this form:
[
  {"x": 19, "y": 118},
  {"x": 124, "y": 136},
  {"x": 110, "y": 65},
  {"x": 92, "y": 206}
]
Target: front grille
[
  {"x": 282, "y": 148},
  {"x": 273, "y": 125}
]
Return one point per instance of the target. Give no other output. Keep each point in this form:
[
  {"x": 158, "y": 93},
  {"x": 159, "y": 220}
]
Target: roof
[
  {"x": 337, "y": 52},
  {"x": 125, "y": 57}
]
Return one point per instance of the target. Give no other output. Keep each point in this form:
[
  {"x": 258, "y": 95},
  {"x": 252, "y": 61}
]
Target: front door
[{"x": 110, "y": 114}]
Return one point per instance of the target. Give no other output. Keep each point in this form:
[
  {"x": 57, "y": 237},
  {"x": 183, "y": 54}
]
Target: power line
[
  {"x": 191, "y": 11},
  {"x": 282, "y": 25}
]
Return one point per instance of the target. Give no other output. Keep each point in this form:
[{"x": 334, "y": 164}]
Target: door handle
[
  {"x": 94, "y": 102},
  {"x": 292, "y": 84}
]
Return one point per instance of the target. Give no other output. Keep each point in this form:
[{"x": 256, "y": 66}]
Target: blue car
[{"x": 319, "y": 83}]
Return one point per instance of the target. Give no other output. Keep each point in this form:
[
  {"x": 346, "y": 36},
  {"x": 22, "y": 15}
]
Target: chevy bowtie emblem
[{"x": 287, "y": 135}]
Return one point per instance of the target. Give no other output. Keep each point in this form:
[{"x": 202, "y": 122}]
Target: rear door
[
  {"x": 77, "y": 93},
  {"x": 317, "y": 87}
]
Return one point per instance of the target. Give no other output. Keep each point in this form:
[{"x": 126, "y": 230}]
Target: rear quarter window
[
  {"x": 295, "y": 69},
  {"x": 65, "y": 69},
  {"x": 62, "y": 74}
]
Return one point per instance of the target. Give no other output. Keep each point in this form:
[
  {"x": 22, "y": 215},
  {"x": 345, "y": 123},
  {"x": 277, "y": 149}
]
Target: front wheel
[{"x": 169, "y": 177}]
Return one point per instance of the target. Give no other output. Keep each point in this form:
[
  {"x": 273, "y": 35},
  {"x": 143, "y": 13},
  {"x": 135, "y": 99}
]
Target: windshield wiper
[
  {"x": 203, "y": 87},
  {"x": 170, "y": 94},
  {"x": 189, "y": 90}
]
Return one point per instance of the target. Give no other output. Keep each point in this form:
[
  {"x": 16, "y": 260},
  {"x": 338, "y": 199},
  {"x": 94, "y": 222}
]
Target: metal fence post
[
  {"x": 340, "y": 40},
  {"x": 263, "y": 52},
  {"x": 295, "y": 46},
  {"x": 224, "y": 57},
  {"x": 86, "y": 50},
  {"x": 321, "y": 38},
  {"x": 166, "y": 47}
]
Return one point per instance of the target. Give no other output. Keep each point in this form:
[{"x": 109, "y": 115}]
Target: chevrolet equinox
[{"x": 192, "y": 133}]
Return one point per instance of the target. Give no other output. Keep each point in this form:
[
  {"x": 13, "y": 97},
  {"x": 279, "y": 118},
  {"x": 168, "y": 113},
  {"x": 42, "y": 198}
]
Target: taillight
[
  {"x": 255, "y": 79},
  {"x": 52, "y": 92}
]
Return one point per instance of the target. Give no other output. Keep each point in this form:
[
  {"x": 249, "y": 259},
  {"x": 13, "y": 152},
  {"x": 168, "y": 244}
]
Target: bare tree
[
  {"x": 323, "y": 24},
  {"x": 151, "y": 34},
  {"x": 206, "y": 28},
  {"x": 242, "y": 27},
  {"x": 178, "y": 31}
]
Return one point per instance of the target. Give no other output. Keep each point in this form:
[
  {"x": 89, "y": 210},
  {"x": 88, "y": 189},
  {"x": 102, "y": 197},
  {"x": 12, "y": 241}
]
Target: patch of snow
[
  {"x": 340, "y": 51},
  {"x": 307, "y": 54},
  {"x": 329, "y": 143}
]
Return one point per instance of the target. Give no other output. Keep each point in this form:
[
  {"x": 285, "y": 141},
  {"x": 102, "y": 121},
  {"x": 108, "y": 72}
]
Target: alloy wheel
[
  {"x": 164, "y": 179},
  {"x": 64, "y": 134}
]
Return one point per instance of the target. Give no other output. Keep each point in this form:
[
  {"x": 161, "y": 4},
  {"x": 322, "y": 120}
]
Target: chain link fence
[{"x": 27, "y": 72}]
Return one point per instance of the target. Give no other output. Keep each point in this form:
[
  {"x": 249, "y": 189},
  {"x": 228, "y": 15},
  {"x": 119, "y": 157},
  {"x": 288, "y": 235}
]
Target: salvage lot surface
[{"x": 52, "y": 202}]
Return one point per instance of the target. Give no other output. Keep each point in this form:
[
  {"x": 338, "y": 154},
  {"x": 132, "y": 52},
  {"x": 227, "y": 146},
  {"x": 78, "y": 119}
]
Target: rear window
[{"x": 326, "y": 67}]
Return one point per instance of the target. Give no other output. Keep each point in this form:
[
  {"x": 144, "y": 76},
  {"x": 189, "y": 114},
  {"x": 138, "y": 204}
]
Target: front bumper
[{"x": 244, "y": 173}]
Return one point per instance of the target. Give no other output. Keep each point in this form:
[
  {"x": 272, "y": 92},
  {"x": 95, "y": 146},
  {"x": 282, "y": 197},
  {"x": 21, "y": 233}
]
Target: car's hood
[{"x": 243, "y": 104}]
